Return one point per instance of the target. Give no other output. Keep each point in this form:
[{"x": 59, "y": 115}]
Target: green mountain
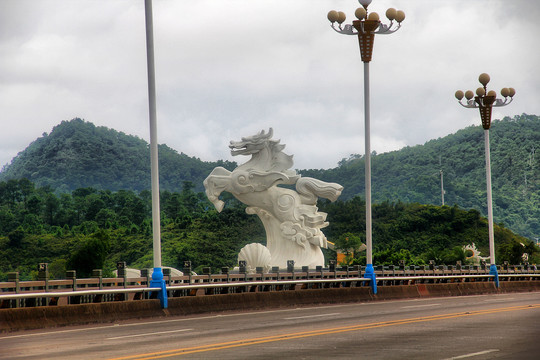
[
  {"x": 412, "y": 174},
  {"x": 77, "y": 154},
  {"x": 78, "y": 199}
]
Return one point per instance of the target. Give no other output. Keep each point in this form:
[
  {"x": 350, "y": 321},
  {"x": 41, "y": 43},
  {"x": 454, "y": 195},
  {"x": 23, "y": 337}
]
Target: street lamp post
[
  {"x": 365, "y": 27},
  {"x": 485, "y": 101},
  {"x": 157, "y": 274}
]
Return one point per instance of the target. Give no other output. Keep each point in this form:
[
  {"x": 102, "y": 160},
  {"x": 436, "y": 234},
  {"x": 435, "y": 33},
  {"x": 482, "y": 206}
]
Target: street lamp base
[
  {"x": 158, "y": 282},
  {"x": 493, "y": 272},
  {"x": 370, "y": 274}
]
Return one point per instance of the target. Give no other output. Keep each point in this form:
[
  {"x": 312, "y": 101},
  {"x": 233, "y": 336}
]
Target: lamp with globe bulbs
[
  {"x": 366, "y": 27},
  {"x": 484, "y": 101}
]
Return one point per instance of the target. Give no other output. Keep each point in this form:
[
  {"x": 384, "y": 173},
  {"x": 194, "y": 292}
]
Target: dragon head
[
  {"x": 250, "y": 145},
  {"x": 266, "y": 153}
]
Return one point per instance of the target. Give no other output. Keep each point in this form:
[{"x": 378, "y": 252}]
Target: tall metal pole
[
  {"x": 153, "y": 133},
  {"x": 369, "y": 251},
  {"x": 370, "y": 270},
  {"x": 442, "y": 188},
  {"x": 489, "y": 199},
  {"x": 157, "y": 275},
  {"x": 442, "y": 181}
]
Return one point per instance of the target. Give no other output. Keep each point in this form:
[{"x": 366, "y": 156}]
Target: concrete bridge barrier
[{"x": 110, "y": 312}]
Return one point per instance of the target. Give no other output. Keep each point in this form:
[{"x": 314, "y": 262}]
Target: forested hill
[
  {"x": 78, "y": 154},
  {"x": 412, "y": 174}
]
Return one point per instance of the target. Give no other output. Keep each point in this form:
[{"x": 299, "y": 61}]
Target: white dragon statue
[{"x": 291, "y": 219}]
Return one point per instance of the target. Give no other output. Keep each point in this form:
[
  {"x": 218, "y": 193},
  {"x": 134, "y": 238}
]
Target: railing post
[
  {"x": 305, "y": 269},
  {"x": 98, "y": 274},
  {"x": 208, "y": 272},
  {"x": 146, "y": 274},
  {"x": 225, "y": 270},
  {"x": 260, "y": 270},
  {"x": 121, "y": 271},
  {"x": 14, "y": 277},
  {"x": 187, "y": 269},
  {"x": 72, "y": 275},
  {"x": 332, "y": 267},
  {"x": 242, "y": 268},
  {"x": 43, "y": 274},
  {"x": 319, "y": 269},
  {"x": 290, "y": 268}
]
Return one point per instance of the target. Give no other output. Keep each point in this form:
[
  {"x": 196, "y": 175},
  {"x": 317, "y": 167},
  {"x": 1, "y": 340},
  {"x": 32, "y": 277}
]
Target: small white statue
[
  {"x": 290, "y": 218},
  {"x": 475, "y": 258}
]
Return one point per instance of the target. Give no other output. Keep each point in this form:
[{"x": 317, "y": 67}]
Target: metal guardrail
[
  {"x": 77, "y": 293},
  {"x": 197, "y": 285}
]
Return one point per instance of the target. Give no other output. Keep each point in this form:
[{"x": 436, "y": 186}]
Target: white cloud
[{"x": 227, "y": 69}]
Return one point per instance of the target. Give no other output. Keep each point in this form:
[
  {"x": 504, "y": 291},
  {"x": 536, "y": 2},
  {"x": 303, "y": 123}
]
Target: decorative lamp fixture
[
  {"x": 366, "y": 27},
  {"x": 485, "y": 100}
]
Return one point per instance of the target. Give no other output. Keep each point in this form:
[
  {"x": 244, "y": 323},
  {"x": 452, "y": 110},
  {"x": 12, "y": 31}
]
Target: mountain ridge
[{"x": 78, "y": 154}]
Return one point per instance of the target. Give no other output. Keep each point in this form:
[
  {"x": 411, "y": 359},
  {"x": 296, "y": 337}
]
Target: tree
[
  {"x": 52, "y": 205},
  {"x": 106, "y": 218},
  {"x": 57, "y": 268},
  {"x": 7, "y": 220},
  {"x": 452, "y": 256},
  {"x": 91, "y": 254},
  {"x": 511, "y": 252},
  {"x": 16, "y": 237},
  {"x": 348, "y": 244},
  {"x": 94, "y": 204}
]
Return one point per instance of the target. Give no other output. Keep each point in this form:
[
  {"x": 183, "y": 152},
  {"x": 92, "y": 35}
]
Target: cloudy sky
[{"x": 230, "y": 68}]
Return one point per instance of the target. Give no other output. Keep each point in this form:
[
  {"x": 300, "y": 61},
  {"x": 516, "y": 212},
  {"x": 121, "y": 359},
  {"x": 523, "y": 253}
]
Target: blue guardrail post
[
  {"x": 493, "y": 271},
  {"x": 159, "y": 282},
  {"x": 370, "y": 274}
]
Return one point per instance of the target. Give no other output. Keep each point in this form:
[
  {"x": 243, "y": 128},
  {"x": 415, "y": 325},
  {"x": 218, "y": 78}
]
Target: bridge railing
[{"x": 93, "y": 290}]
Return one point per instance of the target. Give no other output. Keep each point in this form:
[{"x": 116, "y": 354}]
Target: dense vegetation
[{"x": 89, "y": 229}]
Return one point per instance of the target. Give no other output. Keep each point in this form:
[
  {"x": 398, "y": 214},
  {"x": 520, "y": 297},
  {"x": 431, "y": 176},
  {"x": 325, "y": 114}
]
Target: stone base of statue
[{"x": 291, "y": 220}]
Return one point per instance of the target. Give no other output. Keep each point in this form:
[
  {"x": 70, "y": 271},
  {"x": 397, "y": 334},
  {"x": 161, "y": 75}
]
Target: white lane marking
[
  {"x": 55, "y": 332},
  {"x": 147, "y": 334},
  {"x": 473, "y": 354},
  {"x": 419, "y": 306},
  {"x": 310, "y": 316},
  {"x": 498, "y": 300}
]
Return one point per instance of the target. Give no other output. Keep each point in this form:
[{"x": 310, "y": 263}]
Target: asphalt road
[{"x": 505, "y": 326}]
